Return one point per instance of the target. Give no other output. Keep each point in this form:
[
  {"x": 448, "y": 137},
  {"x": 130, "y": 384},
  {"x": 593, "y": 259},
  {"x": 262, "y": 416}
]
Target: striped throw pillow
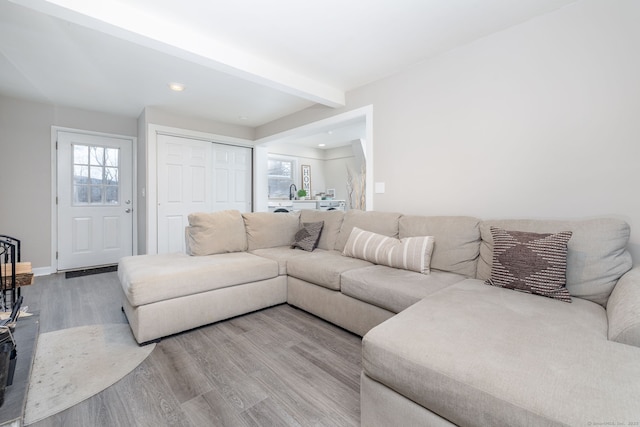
[
  {"x": 410, "y": 253},
  {"x": 534, "y": 263}
]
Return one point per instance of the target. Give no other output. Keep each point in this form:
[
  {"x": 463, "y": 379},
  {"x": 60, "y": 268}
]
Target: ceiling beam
[{"x": 125, "y": 22}]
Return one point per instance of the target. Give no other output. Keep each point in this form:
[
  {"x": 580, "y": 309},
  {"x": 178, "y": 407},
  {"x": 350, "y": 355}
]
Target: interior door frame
[{"x": 54, "y": 186}]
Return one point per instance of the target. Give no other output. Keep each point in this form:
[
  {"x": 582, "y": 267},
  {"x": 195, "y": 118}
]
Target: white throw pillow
[{"x": 409, "y": 253}]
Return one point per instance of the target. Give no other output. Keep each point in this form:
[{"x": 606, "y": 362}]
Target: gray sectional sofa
[{"x": 440, "y": 347}]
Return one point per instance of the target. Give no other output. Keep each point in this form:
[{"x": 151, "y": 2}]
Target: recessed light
[
  {"x": 243, "y": 118},
  {"x": 176, "y": 87},
  {"x": 322, "y": 145}
]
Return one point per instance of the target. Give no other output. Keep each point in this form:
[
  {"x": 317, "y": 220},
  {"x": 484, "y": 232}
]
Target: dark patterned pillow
[
  {"x": 535, "y": 263},
  {"x": 307, "y": 237}
]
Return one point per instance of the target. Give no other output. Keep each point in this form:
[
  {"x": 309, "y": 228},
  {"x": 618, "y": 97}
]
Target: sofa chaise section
[
  {"x": 478, "y": 355},
  {"x": 167, "y": 294},
  {"x": 473, "y": 354}
]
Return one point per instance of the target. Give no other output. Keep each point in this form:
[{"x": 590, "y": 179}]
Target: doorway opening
[{"x": 348, "y": 135}]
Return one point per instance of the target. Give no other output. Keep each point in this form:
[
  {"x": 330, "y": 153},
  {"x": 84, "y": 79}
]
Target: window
[
  {"x": 281, "y": 176},
  {"x": 95, "y": 175}
]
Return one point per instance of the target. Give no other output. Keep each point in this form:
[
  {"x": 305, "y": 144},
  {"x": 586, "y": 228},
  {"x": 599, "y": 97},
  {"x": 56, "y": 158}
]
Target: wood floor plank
[
  {"x": 180, "y": 371},
  {"x": 305, "y": 408},
  {"x": 268, "y": 413},
  {"x": 211, "y": 409},
  {"x": 279, "y": 366},
  {"x": 236, "y": 387},
  {"x": 150, "y": 399}
]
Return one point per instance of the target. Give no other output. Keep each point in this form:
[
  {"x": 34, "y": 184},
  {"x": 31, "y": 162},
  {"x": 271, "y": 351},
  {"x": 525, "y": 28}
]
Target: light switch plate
[{"x": 379, "y": 187}]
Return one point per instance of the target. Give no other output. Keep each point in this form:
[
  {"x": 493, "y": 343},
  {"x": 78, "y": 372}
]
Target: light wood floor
[{"x": 276, "y": 367}]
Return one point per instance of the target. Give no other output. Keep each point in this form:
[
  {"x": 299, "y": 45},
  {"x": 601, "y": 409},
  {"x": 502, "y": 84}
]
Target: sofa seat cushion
[
  {"x": 323, "y": 268},
  {"x": 150, "y": 278},
  {"x": 480, "y": 355},
  {"x": 282, "y": 254},
  {"x": 394, "y": 289}
]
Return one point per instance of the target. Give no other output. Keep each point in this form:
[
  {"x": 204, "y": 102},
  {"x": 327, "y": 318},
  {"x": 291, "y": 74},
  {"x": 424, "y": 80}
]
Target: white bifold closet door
[{"x": 197, "y": 176}]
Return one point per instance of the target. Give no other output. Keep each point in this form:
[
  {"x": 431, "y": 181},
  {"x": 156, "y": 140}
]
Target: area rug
[{"x": 73, "y": 364}]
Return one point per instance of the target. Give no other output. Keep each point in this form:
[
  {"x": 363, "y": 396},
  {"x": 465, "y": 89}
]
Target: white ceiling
[
  {"x": 328, "y": 136},
  {"x": 245, "y": 62}
]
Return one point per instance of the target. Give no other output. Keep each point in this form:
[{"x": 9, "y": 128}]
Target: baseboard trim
[{"x": 43, "y": 271}]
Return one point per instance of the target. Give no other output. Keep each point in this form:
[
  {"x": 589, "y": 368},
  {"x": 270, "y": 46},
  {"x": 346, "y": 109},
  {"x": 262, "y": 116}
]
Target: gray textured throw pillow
[
  {"x": 307, "y": 237},
  {"x": 535, "y": 263}
]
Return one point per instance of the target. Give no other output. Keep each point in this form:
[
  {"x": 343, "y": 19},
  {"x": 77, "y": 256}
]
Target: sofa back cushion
[
  {"x": 596, "y": 253},
  {"x": 332, "y": 223},
  {"x": 385, "y": 223},
  {"x": 457, "y": 240},
  {"x": 215, "y": 233},
  {"x": 268, "y": 229}
]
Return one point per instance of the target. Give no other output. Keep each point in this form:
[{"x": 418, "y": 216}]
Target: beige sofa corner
[{"x": 438, "y": 349}]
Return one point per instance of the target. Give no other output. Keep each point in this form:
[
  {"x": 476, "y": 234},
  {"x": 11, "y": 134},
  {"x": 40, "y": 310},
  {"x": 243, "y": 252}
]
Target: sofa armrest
[{"x": 623, "y": 309}]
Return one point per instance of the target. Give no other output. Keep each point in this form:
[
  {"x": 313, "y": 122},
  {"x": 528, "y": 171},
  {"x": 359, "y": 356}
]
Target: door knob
[
  {"x": 128, "y": 202},
  {"x": 128, "y": 210}
]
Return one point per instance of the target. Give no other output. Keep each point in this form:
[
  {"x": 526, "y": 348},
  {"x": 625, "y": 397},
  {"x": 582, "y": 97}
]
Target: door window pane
[
  {"x": 111, "y": 176},
  {"x": 111, "y": 194},
  {"x": 81, "y": 154},
  {"x": 80, "y": 194},
  {"x": 111, "y": 157},
  {"x": 80, "y": 175},
  {"x": 95, "y": 175},
  {"x": 96, "y": 155},
  {"x": 96, "y": 194}
]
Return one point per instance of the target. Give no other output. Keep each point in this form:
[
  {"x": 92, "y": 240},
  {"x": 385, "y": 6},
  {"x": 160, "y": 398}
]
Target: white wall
[
  {"x": 158, "y": 116},
  {"x": 25, "y": 167},
  {"x": 337, "y": 162},
  {"x": 540, "y": 120}
]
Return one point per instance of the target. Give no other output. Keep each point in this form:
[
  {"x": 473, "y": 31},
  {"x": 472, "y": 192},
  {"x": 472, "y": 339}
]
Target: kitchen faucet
[{"x": 292, "y": 191}]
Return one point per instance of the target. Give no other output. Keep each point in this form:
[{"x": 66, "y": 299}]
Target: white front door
[{"x": 95, "y": 200}]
